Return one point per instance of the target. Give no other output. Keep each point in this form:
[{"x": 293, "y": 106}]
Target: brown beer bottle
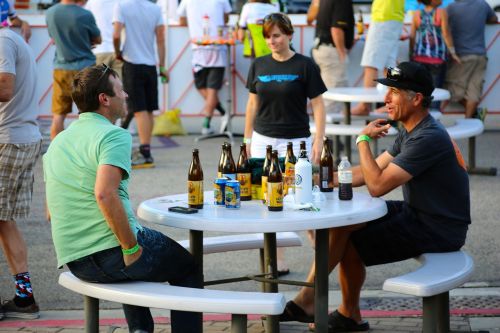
[
  {"x": 221, "y": 160},
  {"x": 195, "y": 182},
  {"x": 265, "y": 172},
  {"x": 228, "y": 166},
  {"x": 326, "y": 168},
  {"x": 244, "y": 174},
  {"x": 360, "y": 26},
  {"x": 275, "y": 184},
  {"x": 290, "y": 160},
  {"x": 303, "y": 147}
]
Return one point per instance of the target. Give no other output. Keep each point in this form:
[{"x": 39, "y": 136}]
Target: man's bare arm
[
  {"x": 7, "y": 84},
  {"x": 117, "y": 34},
  {"x": 25, "y": 27},
  {"x": 106, "y": 193}
]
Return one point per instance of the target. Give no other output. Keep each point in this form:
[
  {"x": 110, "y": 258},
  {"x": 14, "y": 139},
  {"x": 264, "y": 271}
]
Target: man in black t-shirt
[
  {"x": 333, "y": 38},
  {"x": 434, "y": 215}
]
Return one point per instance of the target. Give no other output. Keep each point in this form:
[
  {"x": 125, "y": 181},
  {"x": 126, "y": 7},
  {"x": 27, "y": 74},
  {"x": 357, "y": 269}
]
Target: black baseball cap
[{"x": 409, "y": 76}]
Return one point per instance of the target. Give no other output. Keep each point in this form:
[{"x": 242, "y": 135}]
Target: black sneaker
[
  {"x": 141, "y": 162},
  {"x": 11, "y": 310}
]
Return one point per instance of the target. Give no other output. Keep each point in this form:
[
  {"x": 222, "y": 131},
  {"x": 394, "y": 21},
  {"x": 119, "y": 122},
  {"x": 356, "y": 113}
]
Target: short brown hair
[
  {"x": 89, "y": 83},
  {"x": 277, "y": 19}
]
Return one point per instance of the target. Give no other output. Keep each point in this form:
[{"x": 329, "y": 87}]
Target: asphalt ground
[{"x": 173, "y": 155}]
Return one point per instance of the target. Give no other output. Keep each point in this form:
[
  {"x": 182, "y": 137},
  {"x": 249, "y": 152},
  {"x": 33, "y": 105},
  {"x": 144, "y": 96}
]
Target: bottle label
[
  {"x": 195, "y": 192},
  {"x": 289, "y": 169},
  {"x": 219, "y": 174},
  {"x": 264, "y": 188},
  {"x": 345, "y": 176},
  {"x": 231, "y": 176},
  {"x": 245, "y": 180},
  {"x": 275, "y": 194}
]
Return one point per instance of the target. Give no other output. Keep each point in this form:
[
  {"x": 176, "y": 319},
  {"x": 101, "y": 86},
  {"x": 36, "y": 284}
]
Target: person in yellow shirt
[{"x": 381, "y": 48}]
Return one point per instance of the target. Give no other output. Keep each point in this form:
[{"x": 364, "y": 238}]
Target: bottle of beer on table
[
  {"x": 195, "y": 182},
  {"x": 345, "y": 179},
  {"x": 303, "y": 179},
  {"x": 229, "y": 167},
  {"x": 360, "y": 27},
  {"x": 265, "y": 172},
  {"x": 275, "y": 184},
  {"x": 244, "y": 174},
  {"x": 290, "y": 161},
  {"x": 221, "y": 160},
  {"x": 326, "y": 167}
]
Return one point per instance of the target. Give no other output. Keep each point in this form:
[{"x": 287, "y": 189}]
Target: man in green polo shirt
[{"x": 95, "y": 233}]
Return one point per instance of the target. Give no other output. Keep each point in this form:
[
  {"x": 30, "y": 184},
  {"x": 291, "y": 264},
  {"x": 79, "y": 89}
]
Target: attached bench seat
[
  {"x": 439, "y": 273},
  {"x": 339, "y": 117},
  {"x": 244, "y": 242},
  {"x": 164, "y": 296}
]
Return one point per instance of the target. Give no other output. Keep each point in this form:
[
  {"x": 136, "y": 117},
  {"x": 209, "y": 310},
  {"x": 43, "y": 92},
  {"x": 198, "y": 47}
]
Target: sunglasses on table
[{"x": 395, "y": 74}]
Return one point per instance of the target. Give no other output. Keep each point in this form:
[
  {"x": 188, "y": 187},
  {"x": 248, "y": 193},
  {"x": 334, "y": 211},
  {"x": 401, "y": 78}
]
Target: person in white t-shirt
[
  {"x": 209, "y": 61},
  {"x": 104, "y": 52},
  {"x": 143, "y": 24}
]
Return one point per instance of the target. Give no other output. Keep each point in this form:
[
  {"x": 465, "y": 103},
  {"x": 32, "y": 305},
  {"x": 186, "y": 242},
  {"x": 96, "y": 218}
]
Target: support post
[
  {"x": 472, "y": 169},
  {"x": 436, "y": 313},
  {"x": 91, "y": 308},
  {"x": 238, "y": 323},
  {"x": 321, "y": 281},
  {"x": 271, "y": 266},
  {"x": 262, "y": 268},
  {"x": 196, "y": 249}
]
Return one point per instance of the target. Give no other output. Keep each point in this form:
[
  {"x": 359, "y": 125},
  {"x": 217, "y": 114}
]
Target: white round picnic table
[{"x": 253, "y": 216}]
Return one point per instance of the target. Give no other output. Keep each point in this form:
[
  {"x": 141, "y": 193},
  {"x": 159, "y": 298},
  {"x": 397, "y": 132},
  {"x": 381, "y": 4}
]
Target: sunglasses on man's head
[
  {"x": 395, "y": 74},
  {"x": 104, "y": 69}
]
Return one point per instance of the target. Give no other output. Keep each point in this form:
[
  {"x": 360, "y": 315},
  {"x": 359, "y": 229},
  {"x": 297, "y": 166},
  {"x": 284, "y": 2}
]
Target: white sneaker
[{"x": 206, "y": 131}]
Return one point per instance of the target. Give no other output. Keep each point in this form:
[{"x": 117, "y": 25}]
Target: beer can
[
  {"x": 219, "y": 191},
  {"x": 233, "y": 194}
]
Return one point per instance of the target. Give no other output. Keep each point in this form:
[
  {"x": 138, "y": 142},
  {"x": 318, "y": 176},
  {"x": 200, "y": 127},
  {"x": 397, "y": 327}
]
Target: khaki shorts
[
  {"x": 62, "y": 102},
  {"x": 16, "y": 179},
  {"x": 109, "y": 59},
  {"x": 466, "y": 80}
]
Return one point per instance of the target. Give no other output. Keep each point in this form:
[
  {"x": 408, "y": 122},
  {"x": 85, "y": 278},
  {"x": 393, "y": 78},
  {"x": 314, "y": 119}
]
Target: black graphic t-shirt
[{"x": 283, "y": 89}]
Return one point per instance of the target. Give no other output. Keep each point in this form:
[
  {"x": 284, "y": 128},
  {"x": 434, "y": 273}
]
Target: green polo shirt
[{"x": 70, "y": 167}]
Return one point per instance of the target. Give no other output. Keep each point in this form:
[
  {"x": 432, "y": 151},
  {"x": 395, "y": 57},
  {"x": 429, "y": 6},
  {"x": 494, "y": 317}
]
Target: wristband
[
  {"x": 162, "y": 69},
  {"x": 132, "y": 250},
  {"x": 363, "y": 137},
  {"x": 247, "y": 140}
]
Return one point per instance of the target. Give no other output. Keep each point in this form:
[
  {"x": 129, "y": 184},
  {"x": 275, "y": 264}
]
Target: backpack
[{"x": 429, "y": 47}]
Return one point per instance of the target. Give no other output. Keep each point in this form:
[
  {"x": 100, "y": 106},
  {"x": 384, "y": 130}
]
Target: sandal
[
  {"x": 293, "y": 312},
  {"x": 340, "y": 323}
]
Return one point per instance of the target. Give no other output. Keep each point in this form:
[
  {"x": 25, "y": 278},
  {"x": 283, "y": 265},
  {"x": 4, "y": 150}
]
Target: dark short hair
[
  {"x": 88, "y": 84},
  {"x": 425, "y": 2},
  {"x": 277, "y": 19}
]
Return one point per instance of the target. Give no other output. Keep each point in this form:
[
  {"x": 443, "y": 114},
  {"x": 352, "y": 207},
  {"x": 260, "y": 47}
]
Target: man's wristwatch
[{"x": 363, "y": 137}]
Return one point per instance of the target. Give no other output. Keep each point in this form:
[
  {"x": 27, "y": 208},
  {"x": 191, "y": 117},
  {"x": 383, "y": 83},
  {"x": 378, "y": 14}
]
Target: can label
[
  {"x": 275, "y": 194},
  {"x": 264, "y": 188},
  {"x": 345, "y": 176},
  {"x": 245, "y": 180},
  {"x": 232, "y": 194},
  {"x": 219, "y": 191},
  {"x": 195, "y": 192}
]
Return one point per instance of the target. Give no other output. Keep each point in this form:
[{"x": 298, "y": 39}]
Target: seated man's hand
[
  {"x": 376, "y": 129},
  {"x": 131, "y": 258}
]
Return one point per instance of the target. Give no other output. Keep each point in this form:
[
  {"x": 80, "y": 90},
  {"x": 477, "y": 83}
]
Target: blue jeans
[{"x": 162, "y": 260}]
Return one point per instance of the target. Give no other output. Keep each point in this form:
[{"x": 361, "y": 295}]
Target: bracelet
[
  {"x": 247, "y": 140},
  {"x": 132, "y": 250},
  {"x": 363, "y": 137}
]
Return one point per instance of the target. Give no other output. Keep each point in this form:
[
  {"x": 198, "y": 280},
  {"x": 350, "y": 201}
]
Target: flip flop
[
  {"x": 293, "y": 312},
  {"x": 339, "y": 323}
]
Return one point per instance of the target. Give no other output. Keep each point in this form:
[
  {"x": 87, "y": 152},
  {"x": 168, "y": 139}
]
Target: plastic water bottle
[
  {"x": 345, "y": 179},
  {"x": 303, "y": 179}
]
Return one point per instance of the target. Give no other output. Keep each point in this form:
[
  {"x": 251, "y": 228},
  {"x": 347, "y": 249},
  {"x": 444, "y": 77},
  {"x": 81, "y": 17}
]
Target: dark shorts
[
  {"x": 209, "y": 77},
  {"x": 140, "y": 82},
  {"x": 400, "y": 235}
]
